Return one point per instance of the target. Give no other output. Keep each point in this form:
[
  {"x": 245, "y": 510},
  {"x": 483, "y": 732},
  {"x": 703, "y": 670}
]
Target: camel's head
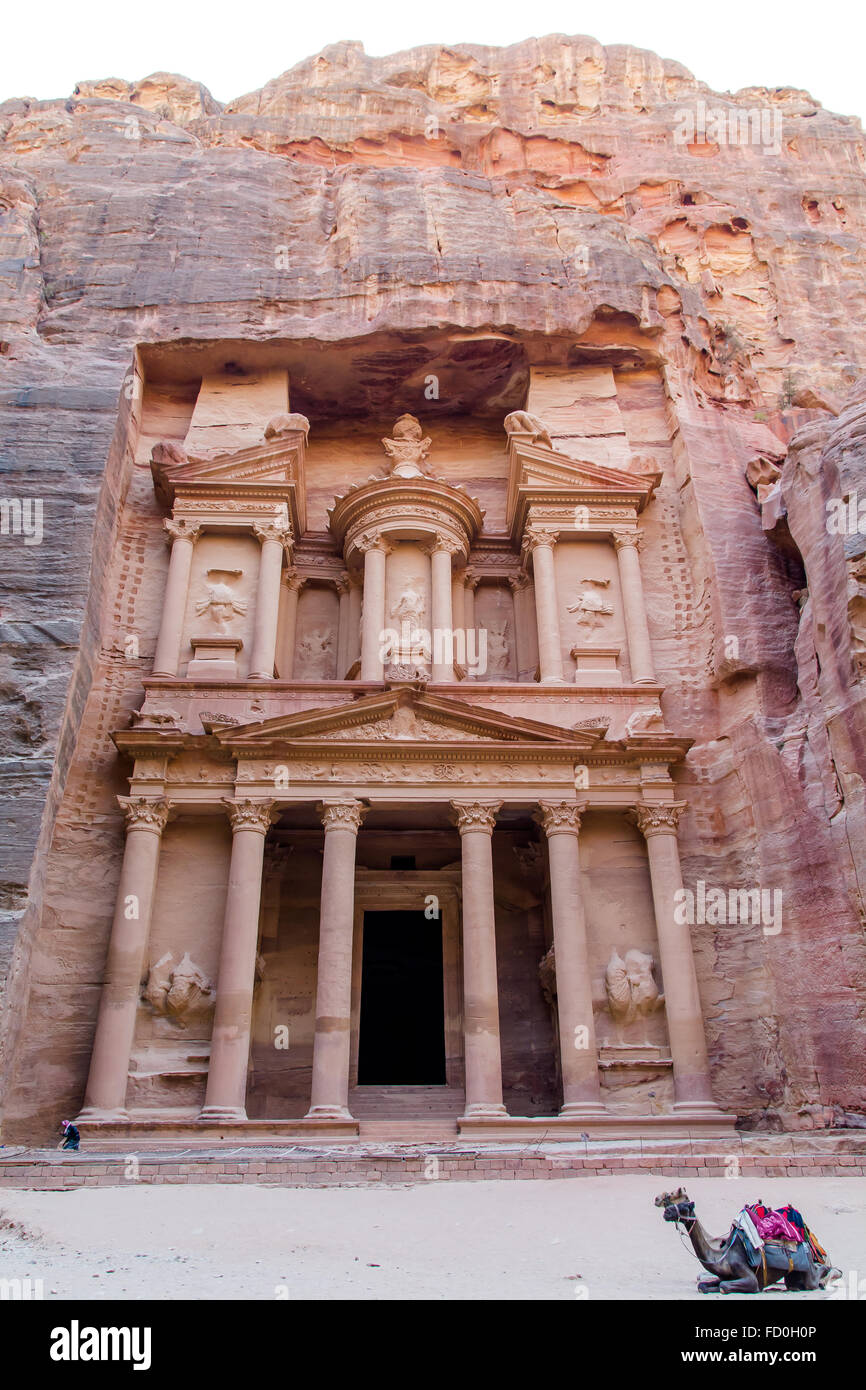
[{"x": 677, "y": 1206}]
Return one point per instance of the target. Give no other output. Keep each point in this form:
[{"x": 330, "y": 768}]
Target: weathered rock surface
[{"x": 528, "y": 199}]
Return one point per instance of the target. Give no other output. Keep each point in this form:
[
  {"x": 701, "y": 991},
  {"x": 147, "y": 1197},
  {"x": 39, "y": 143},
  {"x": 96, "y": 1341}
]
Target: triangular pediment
[{"x": 403, "y": 716}]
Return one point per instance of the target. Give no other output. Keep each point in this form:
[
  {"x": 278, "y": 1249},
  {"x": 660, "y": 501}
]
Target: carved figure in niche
[
  {"x": 184, "y": 994},
  {"x": 632, "y": 992},
  {"x": 315, "y": 652},
  {"x": 221, "y": 604},
  {"x": 591, "y": 608},
  {"x": 498, "y": 645},
  {"x": 521, "y": 422},
  {"x": 408, "y": 449},
  {"x": 407, "y": 650}
]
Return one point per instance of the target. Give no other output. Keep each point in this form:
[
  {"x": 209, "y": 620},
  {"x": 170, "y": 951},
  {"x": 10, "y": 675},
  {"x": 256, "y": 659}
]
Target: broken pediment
[
  {"x": 271, "y": 472},
  {"x": 539, "y": 473}
]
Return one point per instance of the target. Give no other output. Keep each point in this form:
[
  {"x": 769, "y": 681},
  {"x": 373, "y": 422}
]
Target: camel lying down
[{"x": 727, "y": 1262}]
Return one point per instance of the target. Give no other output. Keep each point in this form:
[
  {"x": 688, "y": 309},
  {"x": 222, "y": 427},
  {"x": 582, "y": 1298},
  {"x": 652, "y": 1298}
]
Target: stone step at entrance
[
  {"x": 407, "y": 1131},
  {"x": 397, "y": 1103}
]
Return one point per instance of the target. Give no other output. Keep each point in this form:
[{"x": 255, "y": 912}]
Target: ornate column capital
[
  {"x": 559, "y": 817},
  {"x": 535, "y": 536},
  {"x": 342, "y": 815},
  {"x": 373, "y": 540},
  {"x": 659, "y": 819},
  {"x": 144, "y": 813},
  {"x": 279, "y": 531},
  {"x": 517, "y": 582},
  {"x": 475, "y": 815},
  {"x": 342, "y": 583},
  {"x": 446, "y": 544},
  {"x": 181, "y": 530},
  {"x": 471, "y": 579},
  {"x": 291, "y": 580},
  {"x": 624, "y": 539},
  {"x": 246, "y": 814}
]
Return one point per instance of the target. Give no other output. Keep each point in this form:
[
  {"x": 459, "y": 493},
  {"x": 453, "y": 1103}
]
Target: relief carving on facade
[
  {"x": 592, "y": 608},
  {"x": 182, "y": 993},
  {"x": 221, "y": 603},
  {"x": 631, "y": 990},
  {"x": 316, "y": 653}
]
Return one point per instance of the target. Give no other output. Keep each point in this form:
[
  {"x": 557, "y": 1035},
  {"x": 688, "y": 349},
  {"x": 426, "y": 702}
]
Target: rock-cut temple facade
[{"x": 437, "y": 687}]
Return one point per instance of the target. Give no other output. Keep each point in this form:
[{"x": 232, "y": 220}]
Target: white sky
[{"x": 49, "y": 45}]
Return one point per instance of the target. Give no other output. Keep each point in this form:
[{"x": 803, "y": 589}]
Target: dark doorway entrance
[{"x": 402, "y": 1040}]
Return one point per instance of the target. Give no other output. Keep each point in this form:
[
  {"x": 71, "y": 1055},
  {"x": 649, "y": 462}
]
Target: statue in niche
[
  {"x": 408, "y": 449},
  {"x": 498, "y": 645},
  {"x": 632, "y": 992},
  {"x": 407, "y": 648},
  {"x": 184, "y": 994},
  {"x": 221, "y": 604},
  {"x": 592, "y": 608},
  {"x": 315, "y": 651}
]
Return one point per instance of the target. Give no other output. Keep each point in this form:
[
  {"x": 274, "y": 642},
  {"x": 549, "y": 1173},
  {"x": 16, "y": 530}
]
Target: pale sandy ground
[{"x": 437, "y": 1240}]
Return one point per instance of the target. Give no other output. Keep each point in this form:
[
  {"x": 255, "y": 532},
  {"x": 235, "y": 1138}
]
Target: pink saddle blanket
[{"x": 773, "y": 1225}]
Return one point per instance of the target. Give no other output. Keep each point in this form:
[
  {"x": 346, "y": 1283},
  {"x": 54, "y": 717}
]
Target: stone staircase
[{"x": 406, "y": 1114}]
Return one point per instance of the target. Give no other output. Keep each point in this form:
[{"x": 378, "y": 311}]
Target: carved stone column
[
  {"x": 630, "y": 583},
  {"x": 105, "y": 1097},
  {"x": 475, "y": 821},
  {"x": 293, "y": 584},
  {"x": 274, "y": 537},
  {"x": 183, "y": 538},
  {"x": 458, "y": 593},
  {"x": 353, "y": 645},
  {"x": 374, "y": 549},
  {"x": 442, "y": 616},
  {"x": 692, "y": 1091},
  {"x": 470, "y": 582},
  {"x": 518, "y": 584},
  {"x": 331, "y": 1048},
  {"x": 342, "y": 585},
  {"x": 581, "y": 1094},
  {"x": 540, "y": 545},
  {"x": 230, "y": 1040}
]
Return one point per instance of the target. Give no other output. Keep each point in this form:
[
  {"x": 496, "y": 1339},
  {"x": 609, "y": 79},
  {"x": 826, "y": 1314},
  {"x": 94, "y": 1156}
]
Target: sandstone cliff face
[{"x": 539, "y": 196}]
